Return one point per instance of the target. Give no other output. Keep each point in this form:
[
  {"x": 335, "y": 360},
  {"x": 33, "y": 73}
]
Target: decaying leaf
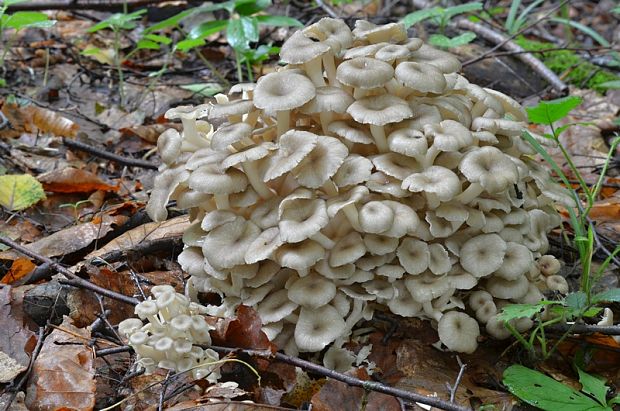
[
  {"x": 63, "y": 373},
  {"x": 19, "y": 269},
  {"x": 15, "y": 340},
  {"x": 18, "y": 192},
  {"x": 48, "y": 121},
  {"x": 244, "y": 331},
  {"x": 73, "y": 180},
  {"x": 151, "y": 132}
]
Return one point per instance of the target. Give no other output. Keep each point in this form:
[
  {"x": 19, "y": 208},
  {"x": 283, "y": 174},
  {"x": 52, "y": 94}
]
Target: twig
[
  {"x": 162, "y": 394},
  {"x": 37, "y": 349},
  {"x": 347, "y": 379},
  {"x": 97, "y": 152},
  {"x": 73, "y": 279},
  {"x": 115, "y": 350},
  {"x": 327, "y": 9},
  {"x": 459, "y": 377},
  {"x": 520, "y": 53},
  {"x": 584, "y": 329}
]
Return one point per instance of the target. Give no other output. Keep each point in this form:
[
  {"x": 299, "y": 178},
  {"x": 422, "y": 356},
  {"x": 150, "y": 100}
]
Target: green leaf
[
  {"x": 421, "y": 15},
  {"x": 514, "y": 311},
  {"x": 207, "y": 29},
  {"x": 593, "y": 386},
  {"x": 90, "y": 51},
  {"x": 279, "y": 21},
  {"x": 576, "y": 301},
  {"x": 614, "y": 84},
  {"x": 240, "y": 32},
  {"x": 463, "y": 8},
  {"x": 250, "y": 27},
  {"x": 18, "y": 192},
  {"x": 118, "y": 21},
  {"x": 548, "y": 112},
  {"x": 610, "y": 296},
  {"x": 9, "y": 3},
  {"x": 546, "y": 393},
  {"x": 22, "y": 19},
  {"x": 158, "y": 39},
  {"x": 585, "y": 29},
  {"x": 147, "y": 44},
  {"x": 249, "y": 7},
  {"x": 170, "y": 21},
  {"x": 204, "y": 89},
  {"x": 440, "y": 40},
  {"x": 189, "y": 44}
]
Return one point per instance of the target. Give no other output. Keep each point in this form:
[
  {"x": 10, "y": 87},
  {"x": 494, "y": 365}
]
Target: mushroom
[
  {"x": 459, "y": 332},
  {"x": 317, "y": 327}
]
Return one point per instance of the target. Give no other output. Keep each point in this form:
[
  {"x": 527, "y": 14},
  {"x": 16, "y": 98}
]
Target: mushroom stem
[
  {"x": 190, "y": 131},
  {"x": 429, "y": 158},
  {"x": 432, "y": 201},
  {"x": 283, "y": 119},
  {"x": 431, "y": 311},
  {"x": 252, "y": 117},
  {"x": 322, "y": 239},
  {"x": 326, "y": 118},
  {"x": 249, "y": 167},
  {"x": 471, "y": 192},
  {"x": 330, "y": 188},
  {"x": 330, "y": 69},
  {"x": 396, "y": 89},
  {"x": 221, "y": 201},
  {"x": 378, "y": 133},
  {"x": 313, "y": 70},
  {"x": 359, "y": 93}
]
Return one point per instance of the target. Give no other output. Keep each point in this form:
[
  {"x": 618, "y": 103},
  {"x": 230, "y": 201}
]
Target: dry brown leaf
[
  {"x": 73, "y": 180},
  {"x": 338, "y": 396},
  {"x": 48, "y": 121},
  {"x": 244, "y": 331},
  {"x": 63, "y": 375},
  {"x": 151, "y": 132},
  {"x": 215, "y": 405},
  {"x": 70, "y": 239},
  {"x": 15, "y": 340},
  {"x": 19, "y": 269}
]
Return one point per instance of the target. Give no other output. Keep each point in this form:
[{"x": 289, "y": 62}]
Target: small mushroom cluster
[
  {"x": 173, "y": 326},
  {"x": 365, "y": 174}
]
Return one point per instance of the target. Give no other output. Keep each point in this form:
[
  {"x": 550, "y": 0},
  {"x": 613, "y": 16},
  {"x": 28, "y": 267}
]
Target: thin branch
[
  {"x": 584, "y": 329},
  {"x": 347, "y": 379},
  {"x": 327, "y": 9},
  {"x": 453, "y": 389},
  {"x": 106, "y": 5},
  {"x": 97, "y": 152},
  {"x": 73, "y": 279},
  {"x": 114, "y": 350}
]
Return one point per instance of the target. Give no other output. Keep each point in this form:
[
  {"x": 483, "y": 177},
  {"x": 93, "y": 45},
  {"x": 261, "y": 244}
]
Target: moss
[{"x": 569, "y": 65}]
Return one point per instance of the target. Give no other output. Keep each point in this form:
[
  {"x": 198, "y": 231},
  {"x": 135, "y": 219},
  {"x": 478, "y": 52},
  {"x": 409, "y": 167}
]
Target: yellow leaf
[{"x": 20, "y": 191}]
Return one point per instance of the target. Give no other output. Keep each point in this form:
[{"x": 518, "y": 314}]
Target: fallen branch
[
  {"x": 100, "y": 5},
  {"x": 584, "y": 329},
  {"x": 97, "y": 152},
  {"x": 347, "y": 379},
  {"x": 520, "y": 53},
  {"x": 72, "y": 279}
]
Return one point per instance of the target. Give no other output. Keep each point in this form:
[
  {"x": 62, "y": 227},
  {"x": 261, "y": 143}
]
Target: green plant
[
  {"x": 545, "y": 393},
  {"x": 582, "y": 303},
  {"x": 118, "y": 23},
  {"x": 18, "y": 21},
  {"x": 242, "y": 28},
  {"x": 515, "y": 22},
  {"x": 441, "y": 17},
  {"x": 75, "y": 206}
]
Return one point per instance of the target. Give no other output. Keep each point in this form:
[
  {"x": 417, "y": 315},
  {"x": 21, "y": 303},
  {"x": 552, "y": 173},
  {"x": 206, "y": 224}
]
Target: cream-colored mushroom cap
[
  {"x": 478, "y": 298},
  {"x": 169, "y": 145},
  {"x": 486, "y": 311},
  {"x": 299, "y": 49},
  {"x": 214, "y": 180},
  {"x": 216, "y": 218},
  {"x": 301, "y": 218},
  {"x": 449, "y": 135},
  {"x": 227, "y": 244},
  {"x": 375, "y": 217},
  {"x": 333, "y": 32},
  {"x": 405, "y": 219},
  {"x": 391, "y": 52},
  {"x": 426, "y": 287},
  {"x": 483, "y": 254},
  {"x": 293, "y": 146},
  {"x": 349, "y": 132},
  {"x": 263, "y": 247},
  {"x": 231, "y": 108},
  {"x": 435, "y": 180},
  {"x": 191, "y": 261},
  {"x": 445, "y": 62},
  {"x": 380, "y": 110},
  {"x": 439, "y": 262},
  {"x": 557, "y": 283},
  {"x": 495, "y": 327},
  {"x": 276, "y": 307},
  {"x": 328, "y": 98},
  {"x": 165, "y": 184},
  {"x": 396, "y": 165},
  {"x": 188, "y": 112},
  {"x": 421, "y": 77},
  {"x": 408, "y": 141},
  {"x": 549, "y": 265},
  {"x": 321, "y": 163},
  {"x": 299, "y": 256},
  {"x": 283, "y": 90},
  {"x": 312, "y": 291},
  {"x": 229, "y": 134},
  {"x": 413, "y": 255},
  {"x": 338, "y": 359},
  {"x": 459, "y": 332},
  {"x": 355, "y": 169},
  {"x": 318, "y": 327},
  {"x": 517, "y": 261},
  {"x": 489, "y": 167},
  {"x": 368, "y": 50},
  {"x": 403, "y": 303},
  {"x": 364, "y": 72},
  {"x": 507, "y": 289},
  {"x": 379, "y": 244},
  {"x": 347, "y": 250},
  {"x": 391, "y": 32},
  {"x": 381, "y": 183}
]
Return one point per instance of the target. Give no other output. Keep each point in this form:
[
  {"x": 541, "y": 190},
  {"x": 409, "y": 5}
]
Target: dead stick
[
  {"x": 97, "y": 152},
  {"x": 520, "y": 53},
  {"x": 73, "y": 279},
  {"x": 584, "y": 329},
  {"x": 347, "y": 379}
]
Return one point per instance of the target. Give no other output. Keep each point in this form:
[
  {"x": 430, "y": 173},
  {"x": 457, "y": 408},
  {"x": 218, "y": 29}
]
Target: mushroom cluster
[
  {"x": 365, "y": 174},
  {"x": 170, "y": 339}
]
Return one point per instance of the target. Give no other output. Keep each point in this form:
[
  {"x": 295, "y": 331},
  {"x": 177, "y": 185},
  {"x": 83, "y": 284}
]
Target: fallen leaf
[
  {"x": 338, "y": 396},
  {"x": 48, "y": 121},
  {"x": 19, "y": 269},
  {"x": 244, "y": 331},
  {"x": 217, "y": 405},
  {"x": 15, "y": 340},
  {"x": 151, "y": 132},
  {"x": 73, "y": 180},
  {"x": 63, "y": 375},
  {"x": 20, "y": 191},
  {"x": 70, "y": 239}
]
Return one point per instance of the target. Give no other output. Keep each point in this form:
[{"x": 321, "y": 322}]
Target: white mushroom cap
[
  {"x": 495, "y": 327},
  {"x": 483, "y": 254},
  {"x": 263, "y": 247},
  {"x": 490, "y": 168},
  {"x": 380, "y": 245},
  {"x": 169, "y": 146},
  {"x": 191, "y": 261},
  {"x": 229, "y": 134},
  {"x": 459, "y": 332},
  {"x": 318, "y": 327},
  {"x": 376, "y": 217},
  {"x": 557, "y": 283},
  {"x": 427, "y": 287},
  {"x": 301, "y": 218},
  {"x": 486, "y": 311},
  {"x": 354, "y": 170},
  {"x": 293, "y": 146},
  {"x": 321, "y": 163},
  {"x": 403, "y": 303},
  {"x": 275, "y": 307},
  {"x": 299, "y": 256},
  {"x": 347, "y": 250},
  {"x": 129, "y": 326},
  {"x": 364, "y": 72},
  {"x": 435, "y": 180},
  {"x": 227, "y": 244},
  {"x": 507, "y": 289},
  {"x": 478, "y": 298},
  {"x": 549, "y": 265},
  {"x": 439, "y": 262},
  {"x": 517, "y": 261},
  {"x": 421, "y": 77},
  {"x": 380, "y": 110},
  {"x": 312, "y": 291},
  {"x": 444, "y": 61},
  {"x": 165, "y": 184},
  {"x": 414, "y": 255},
  {"x": 338, "y": 359}
]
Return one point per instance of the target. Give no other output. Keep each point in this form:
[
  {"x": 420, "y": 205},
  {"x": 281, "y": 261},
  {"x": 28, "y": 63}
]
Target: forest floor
[{"x": 69, "y": 126}]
